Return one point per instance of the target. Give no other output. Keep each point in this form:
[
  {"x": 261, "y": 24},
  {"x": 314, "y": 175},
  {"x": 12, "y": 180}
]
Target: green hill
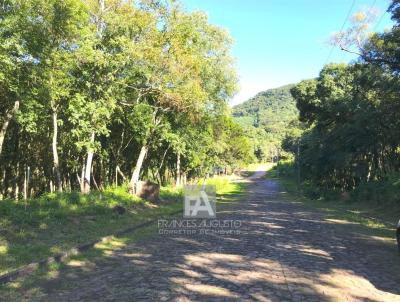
[{"x": 266, "y": 118}]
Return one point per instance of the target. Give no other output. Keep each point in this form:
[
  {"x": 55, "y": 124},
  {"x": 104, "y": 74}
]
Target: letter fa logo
[{"x": 199, "y": 201}]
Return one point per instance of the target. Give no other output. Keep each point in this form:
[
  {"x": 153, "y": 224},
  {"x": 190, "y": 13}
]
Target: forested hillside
[{"x": 266, "y": 119}]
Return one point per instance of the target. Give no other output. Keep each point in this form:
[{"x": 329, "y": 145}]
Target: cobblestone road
[{"x": 285, "y": 252}]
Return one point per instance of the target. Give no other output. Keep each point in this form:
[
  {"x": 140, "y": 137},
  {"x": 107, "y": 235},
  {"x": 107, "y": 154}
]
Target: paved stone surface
[{"x": 284, "y": 252}]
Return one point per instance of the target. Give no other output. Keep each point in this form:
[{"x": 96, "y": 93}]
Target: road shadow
[{"x": 284, "y": 251}]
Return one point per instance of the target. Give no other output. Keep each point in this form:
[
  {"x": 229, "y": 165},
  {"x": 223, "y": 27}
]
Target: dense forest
[
  {"x": 350, "y": 114},
  {"x": 99, "y": 92},
  {"x": 267, "y": 118}
]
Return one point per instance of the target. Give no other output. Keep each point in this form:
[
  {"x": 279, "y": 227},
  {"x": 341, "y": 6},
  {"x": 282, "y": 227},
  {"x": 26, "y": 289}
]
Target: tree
[
  {"x": 190, "y": 71},
  {"x": 13, "y": 67},
  {"x": 60, "y": 31},
  {"x": 348, "y": 143},
  {"x": 111, "y": 88}
]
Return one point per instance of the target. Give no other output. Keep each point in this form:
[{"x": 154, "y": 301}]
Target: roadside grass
[
  {"x": 252, "y": 168},
  {"x": 34, "y": 286},
  {"x": 228, "y": 192},
  {"x": 368, "y": 218},
  {"x": 53, "y": 223},
  {"x": 225, "y": 185}
]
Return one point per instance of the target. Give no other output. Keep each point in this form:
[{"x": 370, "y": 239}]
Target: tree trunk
[
  {"x": 159, "y": 171},
  {"x": 136, "y": 171},
  {"x": 4, "y": 172},
  {"x": 81, "y": 178},
  {"x": 16, "y": 186},
  {"x": 10, "y": 114},
  {"x": 56, "y": 162},
  {"x": 102, "y": 175},
  {"x": 94, "y": 181},
  {"x": 88, "y": 168},
  {"x": 178, "y": 170},
  {"x": 118, "y": 171}
]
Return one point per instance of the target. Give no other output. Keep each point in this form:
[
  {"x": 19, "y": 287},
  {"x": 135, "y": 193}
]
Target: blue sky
[{"x": 278, "y": 42}]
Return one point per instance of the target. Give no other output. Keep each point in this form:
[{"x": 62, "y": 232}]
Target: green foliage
[
  {"x": 347, "y": 144},
  {"x": 286, "y": 168},
  {"x": 379, "y": 191},
  {"x": 267, "y": 118},
  {"x": 267, "y": 103},
  {"x": 350, "y": 139},
  {"x": 352, "y": 114},
  {"x": 109, "y": 81}
]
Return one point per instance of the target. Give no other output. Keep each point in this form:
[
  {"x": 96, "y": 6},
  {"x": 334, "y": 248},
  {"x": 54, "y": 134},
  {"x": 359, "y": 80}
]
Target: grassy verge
[
  {"x": 33, "y": 287},
  {"x": 228, "y": 192},
  {"x": 56, "y": 222},
  {"x": 226, "y": 185},
  {"x": 374, "y": 219}
]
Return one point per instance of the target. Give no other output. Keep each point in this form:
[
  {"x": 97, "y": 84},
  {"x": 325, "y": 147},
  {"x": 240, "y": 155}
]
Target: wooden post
[{"x": 178, "y": 170}]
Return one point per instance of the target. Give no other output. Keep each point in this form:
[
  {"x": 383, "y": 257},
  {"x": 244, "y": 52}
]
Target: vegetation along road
[
  {"x": 284, "y": 251},
  {"x": 109, "y": 108}
]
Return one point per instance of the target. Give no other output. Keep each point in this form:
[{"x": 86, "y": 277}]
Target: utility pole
[
  {"x": 277, "y": 162},
  {"x": 26, "y": 181},
  {"x": 298, "y": 164}
]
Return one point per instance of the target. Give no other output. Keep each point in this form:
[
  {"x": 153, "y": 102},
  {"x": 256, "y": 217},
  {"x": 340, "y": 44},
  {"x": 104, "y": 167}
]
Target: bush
[
  {"x": 380, "y": 191},
  {"x": 286, "y": 168}
]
